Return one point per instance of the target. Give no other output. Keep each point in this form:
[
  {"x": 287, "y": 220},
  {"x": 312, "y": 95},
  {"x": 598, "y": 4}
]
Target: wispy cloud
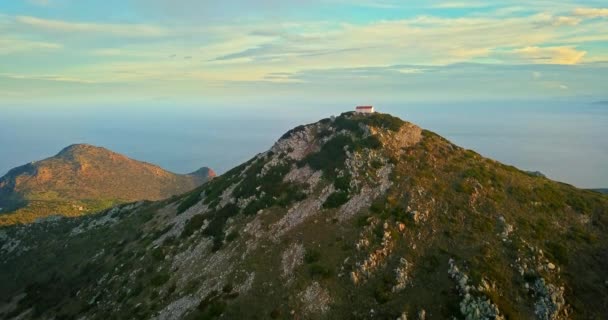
[
  {"x": 136, "y": 30},
  {"x": 42, "y": 3},
  {"x": 45, "y": 77},
  {"x": 9, "y": 45}
]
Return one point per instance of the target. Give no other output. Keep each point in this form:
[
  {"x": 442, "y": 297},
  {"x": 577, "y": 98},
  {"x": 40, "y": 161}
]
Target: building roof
[{"x": 364, "y": 107}]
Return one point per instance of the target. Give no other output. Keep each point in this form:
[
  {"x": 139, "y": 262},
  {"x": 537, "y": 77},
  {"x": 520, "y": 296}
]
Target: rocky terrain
[
  {"x": 352, "y": 217},
  {"x": 82, "y": 179}
]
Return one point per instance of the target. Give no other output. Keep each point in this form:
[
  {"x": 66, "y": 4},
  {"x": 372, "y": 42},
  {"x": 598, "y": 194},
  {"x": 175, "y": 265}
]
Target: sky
[{"x": 80, "y": 52}]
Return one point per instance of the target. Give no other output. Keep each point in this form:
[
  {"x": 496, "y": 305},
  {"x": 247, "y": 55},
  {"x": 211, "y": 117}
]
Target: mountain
[
  {"x": 604, "y": 190},
  {"x": 83, "y": 179},
  {"x": 352, "y": 217}
]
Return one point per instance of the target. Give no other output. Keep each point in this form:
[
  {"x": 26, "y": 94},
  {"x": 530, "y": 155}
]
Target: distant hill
[
  {"x": 604, "y": 191},
  {"x": 82, "y": 179},
  {"x": 352, "y": 217}
]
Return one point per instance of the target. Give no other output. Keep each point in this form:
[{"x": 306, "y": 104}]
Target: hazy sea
[{"x": 567, "y": 141}]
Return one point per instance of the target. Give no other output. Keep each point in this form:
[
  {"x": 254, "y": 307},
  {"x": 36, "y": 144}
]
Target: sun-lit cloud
[
  {"x": 553, "y": 55},
  {"x": 591, "y": 12}
]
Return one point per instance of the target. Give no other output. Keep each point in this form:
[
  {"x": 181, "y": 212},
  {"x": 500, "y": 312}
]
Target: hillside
[
  {"x": 353, "y": 217},
  {"x": 82, "y": 179}
]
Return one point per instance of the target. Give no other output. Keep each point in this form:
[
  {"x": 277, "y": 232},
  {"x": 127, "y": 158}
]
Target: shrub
[
  {"x": 383, "y": 120},
  {"x": 336, "y": 199},
  {"x": 232, "y": 236},
  {"x": 331, "y": 156},
  {"x": 227, "y": 288},
  {"x": 318, "y": 271},
  {"x": 343, "y": 183},
  {"x": 344, "y": 123},
  {"x": 191, "y": 200},
  {"x": 159, "y": 279},
  {"x": 194, "y": 224},
  {"x": 275, "y": 314},
  {"x": 312, "y": 256},
  {"x": 371, "y": 142},
  {"x": 158, "y": 254},
  {"x": 215, "y": 229}
]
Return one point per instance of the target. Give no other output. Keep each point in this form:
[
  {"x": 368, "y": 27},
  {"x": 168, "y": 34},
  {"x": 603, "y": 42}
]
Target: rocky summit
[
  {"x": 353, "y": 217},
  {"x": 83, "y": 179}
]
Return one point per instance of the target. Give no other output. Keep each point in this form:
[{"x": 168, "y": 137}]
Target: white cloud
[
  {"x": 135, "y": 30},
  {"x": 591, "y": 12}
]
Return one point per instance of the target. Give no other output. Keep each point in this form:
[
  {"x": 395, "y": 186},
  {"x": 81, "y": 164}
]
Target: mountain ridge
[
  {"x": 82, "y": 178},
  {"x": 352, "y": 217}
]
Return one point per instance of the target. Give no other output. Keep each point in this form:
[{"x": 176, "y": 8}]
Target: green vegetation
[
  {"x": 331, "y": 156},
  {"x": 189, "y": 201},
  {"x": 336, "y": 199},
  {"x": 159, "y": 279},
  {"x": 312, "y": 256},
  {"x": 194, "y": 224}
]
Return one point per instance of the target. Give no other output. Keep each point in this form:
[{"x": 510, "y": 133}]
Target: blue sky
[{"x": 137, "y": 51}]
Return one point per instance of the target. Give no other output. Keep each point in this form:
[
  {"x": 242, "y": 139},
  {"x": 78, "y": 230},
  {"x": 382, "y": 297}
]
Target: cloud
[
  {"x": 566, "y": 21},
  {"x": 591, "y": 12},
  {"x": 10, "y": 45},
  {"x": 57, "y": 78},
  {"x": 551, "y": 55},
  {"x": 460, "y": 4},
  {"x": 41, "y": 3},
  {"x": 134, "y": 30}
]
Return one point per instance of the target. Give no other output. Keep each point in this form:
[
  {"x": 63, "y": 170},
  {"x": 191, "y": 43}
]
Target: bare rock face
[
  {"x": 409, "y": 135},
  {"x": 316, "y": 300},
  {"x": 292, "y": 258},
  {"x": 298, "y": 143}
]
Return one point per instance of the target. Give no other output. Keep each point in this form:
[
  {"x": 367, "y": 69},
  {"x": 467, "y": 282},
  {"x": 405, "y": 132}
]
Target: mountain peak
[
  {"x": 361, "y": 129},
  {"x": 352, "y": 217}
]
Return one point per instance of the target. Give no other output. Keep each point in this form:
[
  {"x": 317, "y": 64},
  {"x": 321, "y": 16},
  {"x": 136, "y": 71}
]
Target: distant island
[{"x": 82, "y": 179}]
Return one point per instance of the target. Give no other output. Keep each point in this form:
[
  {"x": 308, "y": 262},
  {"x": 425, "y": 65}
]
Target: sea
[{"x": 565, "y": 140}]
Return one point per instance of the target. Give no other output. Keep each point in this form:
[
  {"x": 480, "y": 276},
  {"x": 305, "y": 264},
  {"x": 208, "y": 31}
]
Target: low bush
[
  {"x": 319, "y": 271},
  {"x": 191, "y": 200}
]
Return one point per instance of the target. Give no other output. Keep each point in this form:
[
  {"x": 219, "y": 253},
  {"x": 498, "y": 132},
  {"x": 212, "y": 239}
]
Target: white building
[{"x": 364, "y": 109}]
